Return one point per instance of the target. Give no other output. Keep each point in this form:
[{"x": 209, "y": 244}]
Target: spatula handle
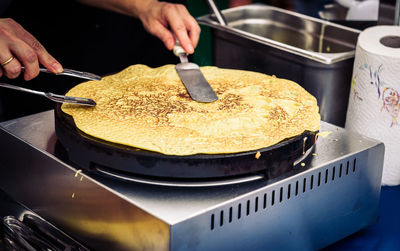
[{"x": 178, "y": 50}]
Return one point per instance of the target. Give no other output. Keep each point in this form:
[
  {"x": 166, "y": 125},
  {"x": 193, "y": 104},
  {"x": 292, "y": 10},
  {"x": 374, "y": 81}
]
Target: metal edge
[
  {"x": 57, "y": 182},
  {"x": 324, "y": 58},
  {"x": 67, "y": 120},
  {"x": 360, "y": 217}
]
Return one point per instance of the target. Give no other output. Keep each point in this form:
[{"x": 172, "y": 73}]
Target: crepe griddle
[{"x": 91, "y": 154}]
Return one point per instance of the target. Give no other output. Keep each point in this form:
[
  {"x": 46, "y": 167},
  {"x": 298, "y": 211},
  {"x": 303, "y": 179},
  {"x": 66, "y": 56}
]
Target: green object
[{"x": 203, "y": 55}]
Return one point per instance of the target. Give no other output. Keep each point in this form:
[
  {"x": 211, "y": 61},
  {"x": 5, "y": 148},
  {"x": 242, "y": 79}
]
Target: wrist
[{"x": 141, "y": 8}]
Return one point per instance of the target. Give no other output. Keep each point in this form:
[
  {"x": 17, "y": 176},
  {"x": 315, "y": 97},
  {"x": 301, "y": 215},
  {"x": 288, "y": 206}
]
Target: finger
[
  {"x": 11, "y": 66},
  {"x": 158, "y": 30},
  {"x": 27, "y": 57},
  {"x": 191, "y": 24},
  {"x": 194, "y": 32},
  {"x": 179, "y": 28},
  {"x": 7, "y": 62},
  {"x": 184, "y": 40},
  {"x": 49, "y": 62},
  {"x": 44, "y": 57}
]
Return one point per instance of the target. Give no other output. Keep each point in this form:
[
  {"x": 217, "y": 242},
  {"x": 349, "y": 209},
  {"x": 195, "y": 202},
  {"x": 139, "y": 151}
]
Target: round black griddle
[{"x": 92, "y": 154}]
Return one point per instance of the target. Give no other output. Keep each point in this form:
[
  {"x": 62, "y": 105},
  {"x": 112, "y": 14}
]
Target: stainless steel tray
[
  {"x": 315, "y": 53},
  {"x": 313, "y": 38}
]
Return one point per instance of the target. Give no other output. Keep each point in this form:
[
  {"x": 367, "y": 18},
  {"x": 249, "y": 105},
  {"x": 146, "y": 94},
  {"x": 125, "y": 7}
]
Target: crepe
[{"x": 149, "y": 108}]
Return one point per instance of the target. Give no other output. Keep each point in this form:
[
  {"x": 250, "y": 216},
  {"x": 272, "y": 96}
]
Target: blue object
[{"x": 384, "y": 235}]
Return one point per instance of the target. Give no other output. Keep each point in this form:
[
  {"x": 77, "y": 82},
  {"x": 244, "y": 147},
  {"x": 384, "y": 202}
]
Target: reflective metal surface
[
  {"x": 72, "y": 73},
  {"x": 330, "y": 195},
  {"x": 312, "y": 38},
  {"x": 215, "y": 10},
  {"x": 22, "y": 229},
  {"x": 52, "y": 96},
  {"x": 33, "y": 233},
  {"x": 193, "y": 79},
  {"x": 316, "y": 54}
]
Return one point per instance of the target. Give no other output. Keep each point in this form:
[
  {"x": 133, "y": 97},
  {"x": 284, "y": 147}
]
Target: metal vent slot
[
  {"x": 273, "y": 198},
  {"x": 265, "y": 201},
  {"x": 302, "y": 185},
  {"x": 319, "y": 179},
  {"x": 354, "y": 165},
  {"x": 212, "y": 221},
  {"x": 326, "y": 175},
  {"x": 312, "y": 182},
  {"x": 333, "y": 173},
  {"x": 256, "y": 205}
]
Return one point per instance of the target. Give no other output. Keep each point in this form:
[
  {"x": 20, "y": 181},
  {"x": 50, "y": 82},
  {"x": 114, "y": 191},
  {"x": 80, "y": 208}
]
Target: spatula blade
[{"x": 196, "y": 84}]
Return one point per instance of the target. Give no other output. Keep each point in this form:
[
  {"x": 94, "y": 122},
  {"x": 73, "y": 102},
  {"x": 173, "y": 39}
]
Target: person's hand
[
  {"x": 162, "y": 19},
  {"x": 19, "y": 47}
]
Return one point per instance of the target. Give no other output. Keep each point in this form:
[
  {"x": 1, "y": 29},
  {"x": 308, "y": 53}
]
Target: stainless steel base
[{"x": 333, "y": 195}]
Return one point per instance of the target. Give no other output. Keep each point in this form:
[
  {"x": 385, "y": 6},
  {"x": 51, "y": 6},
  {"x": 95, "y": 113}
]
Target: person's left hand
[
  {"x": 18, "y": 47},
  {"x": 163, "y": 19}
]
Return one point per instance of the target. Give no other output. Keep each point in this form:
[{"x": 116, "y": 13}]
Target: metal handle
[
  {"x": 72, "y": 73},
  {"x": 214, "y": 10},
  {"x": 52, "y": 96},
  {"x": 70, "y": 100},
  {"x": 19, "y": 236},
  {"x": 397, "y": 13},
  {"x": 33, "y": 233},
  {"x": 18, "y": 88},
  {"x": 179, "y": 51}
]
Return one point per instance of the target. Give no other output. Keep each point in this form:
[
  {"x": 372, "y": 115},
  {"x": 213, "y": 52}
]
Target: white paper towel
[{"x": 374, "y": 103}]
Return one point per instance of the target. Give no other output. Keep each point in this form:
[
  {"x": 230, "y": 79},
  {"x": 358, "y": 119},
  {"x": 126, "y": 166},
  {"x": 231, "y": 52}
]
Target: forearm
[{"x": 126, "y": 7}]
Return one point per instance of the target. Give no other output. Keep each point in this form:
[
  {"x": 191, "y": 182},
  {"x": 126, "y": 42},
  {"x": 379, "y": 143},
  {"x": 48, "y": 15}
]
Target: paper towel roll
[{"x": 374, "y": 102}]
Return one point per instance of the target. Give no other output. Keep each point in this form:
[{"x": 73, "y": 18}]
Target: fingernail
[
  {"x": 57, "y": 68},
  {"x": 190, "y": 49},
  {"x": 171, "y": 44}
]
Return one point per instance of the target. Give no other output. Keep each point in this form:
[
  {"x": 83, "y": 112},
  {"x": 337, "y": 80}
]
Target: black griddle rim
[{"x": 68, "y": 122}]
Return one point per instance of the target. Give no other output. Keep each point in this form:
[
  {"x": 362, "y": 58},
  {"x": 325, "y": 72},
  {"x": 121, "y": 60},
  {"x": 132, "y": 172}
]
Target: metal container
[{"x": 317, "y": 54}]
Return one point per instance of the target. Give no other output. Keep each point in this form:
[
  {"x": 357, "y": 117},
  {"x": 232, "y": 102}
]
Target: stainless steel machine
[{"x": 331, "y": 191}]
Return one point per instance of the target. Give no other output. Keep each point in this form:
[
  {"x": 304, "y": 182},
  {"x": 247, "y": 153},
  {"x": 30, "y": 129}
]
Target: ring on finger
[{"x": 7, "y": 61}]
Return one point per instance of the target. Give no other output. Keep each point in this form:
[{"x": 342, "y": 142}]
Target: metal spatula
[
  {"x": 52, "y": 96},
  {"x": 196, "y": 85}
]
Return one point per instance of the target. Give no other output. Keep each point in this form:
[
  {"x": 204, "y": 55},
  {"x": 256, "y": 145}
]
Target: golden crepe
[{"x": 149, "y": 108}]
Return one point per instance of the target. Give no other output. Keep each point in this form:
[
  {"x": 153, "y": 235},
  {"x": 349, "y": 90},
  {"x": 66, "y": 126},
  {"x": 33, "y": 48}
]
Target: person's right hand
[
  {"x": 163, "y": 20},
  {"x": 19, "y": 47}
]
